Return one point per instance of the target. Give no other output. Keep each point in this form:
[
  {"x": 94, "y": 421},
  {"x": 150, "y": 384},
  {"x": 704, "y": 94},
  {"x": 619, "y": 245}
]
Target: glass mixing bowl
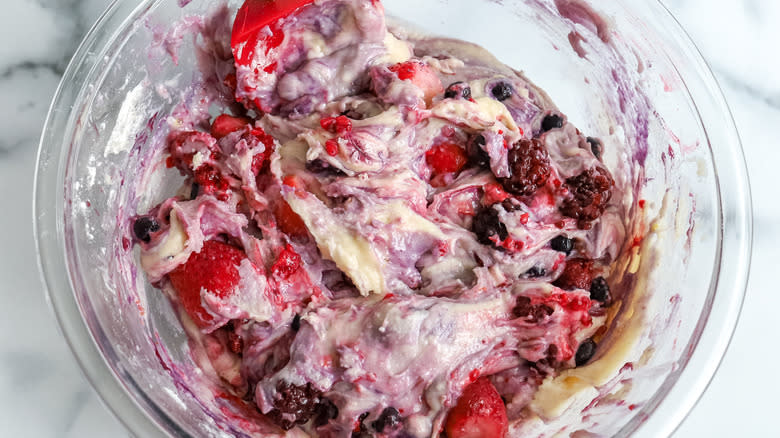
[{"x": 649, "y": 82}]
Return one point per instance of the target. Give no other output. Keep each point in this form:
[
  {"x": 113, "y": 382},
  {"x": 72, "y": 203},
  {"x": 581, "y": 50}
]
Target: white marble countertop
[{"x": 42, "y": 392}]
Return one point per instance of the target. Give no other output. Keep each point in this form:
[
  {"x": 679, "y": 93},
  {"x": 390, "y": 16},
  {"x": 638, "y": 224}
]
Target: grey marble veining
[{"x": 42, "y": 392}]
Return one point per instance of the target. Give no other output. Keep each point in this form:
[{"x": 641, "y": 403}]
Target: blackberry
[
  {"x": 502, "y": 91},
  {"x": 552, "y": 121},
  {"x": 458, "y": 90},
  {"x": 562, "y": 244},
  {"x": 486, "y": 225},
  {"x": 388, "y": 419},
  {"x": 533, "y": 314},
  {"x": 144, "y": 226},
  {"x": 235, "y": 342},
  {"x": 599, "y": 290},
  {"x": 577, "y": 274},
  {"x": 585, "y": 352},
  {"x": 596, "y": 146},
  {"x": 477, "y": 155},
  {"x": 589, "y": 194},
  {"x": 326, "y": 411},
  {"x": 322, "y": 167},
  {"x": 294, "y": 404},
  {"x": 522, "y": 307},
  {"x": 529, "y": 165}
]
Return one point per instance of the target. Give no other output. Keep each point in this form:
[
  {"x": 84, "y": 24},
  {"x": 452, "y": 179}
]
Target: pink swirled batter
[{"x": 385, "y": 220}]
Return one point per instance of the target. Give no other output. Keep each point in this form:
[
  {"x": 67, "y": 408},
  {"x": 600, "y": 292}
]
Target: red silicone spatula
[{"x": 252, "y": 17}]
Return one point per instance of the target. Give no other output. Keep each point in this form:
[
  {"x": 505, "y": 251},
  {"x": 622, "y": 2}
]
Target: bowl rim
[{"x": 670, "y": 409}]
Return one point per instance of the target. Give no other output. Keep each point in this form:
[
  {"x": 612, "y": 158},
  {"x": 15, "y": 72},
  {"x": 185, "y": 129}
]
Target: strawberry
[
  {"x": 225, "y": 124},
  {"x": 446, "y": 158},
  {"x": 421, "y": 75},
  {"x": 479, "y": 413},
  {"x": 289, "y": 221},
  {"x": 213, "y": 269}
]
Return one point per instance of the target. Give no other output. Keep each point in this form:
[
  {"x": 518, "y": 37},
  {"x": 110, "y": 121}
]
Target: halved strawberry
[
  {"x": 421, "y": 75},
  {"x": 446, "y": 158},
  {"x": 225, "y": 124},
  {"x": 214, "y": 269},
  {"x": 479, "y": 413}
]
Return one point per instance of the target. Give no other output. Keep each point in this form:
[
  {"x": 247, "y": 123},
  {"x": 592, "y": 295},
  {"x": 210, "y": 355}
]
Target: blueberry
[
  {"x": 599, "y": 290},
  {"x": 295, "y": 325},
  {"x": 388, "y": 419},
  {"x": 458, "y": 89},
  {"x": 596, "y": 146},
  {"x": 477, "y": 155},
  {"x": 325, "y": 411},
  {"x": 322, "y": 167},
  {"x": 536, "y": 272},
  {"x": 144, "y": 226},
  {"x": 487, "y": 224},
  {"x": 502, "y": 91},
  {"x": 585, "y": 352},
  {"x": 551, "y": 122},
  {"x": 562, "y": 244}
]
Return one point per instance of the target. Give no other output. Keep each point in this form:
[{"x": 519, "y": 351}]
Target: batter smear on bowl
[{"x": 392, "y": 235}]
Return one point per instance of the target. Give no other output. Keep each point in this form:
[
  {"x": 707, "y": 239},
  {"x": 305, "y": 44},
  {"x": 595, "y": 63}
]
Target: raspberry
[
  {"x": 589, "y": 193},
  {"x": 294, "y": 404},
  {"x": 211, "y": 182},
  {"x": 577, "y": 274},
  {"x": 446, "y": 158},
  {"x": 488, "y": 227},
  {"x": 529, "y": 165}
]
